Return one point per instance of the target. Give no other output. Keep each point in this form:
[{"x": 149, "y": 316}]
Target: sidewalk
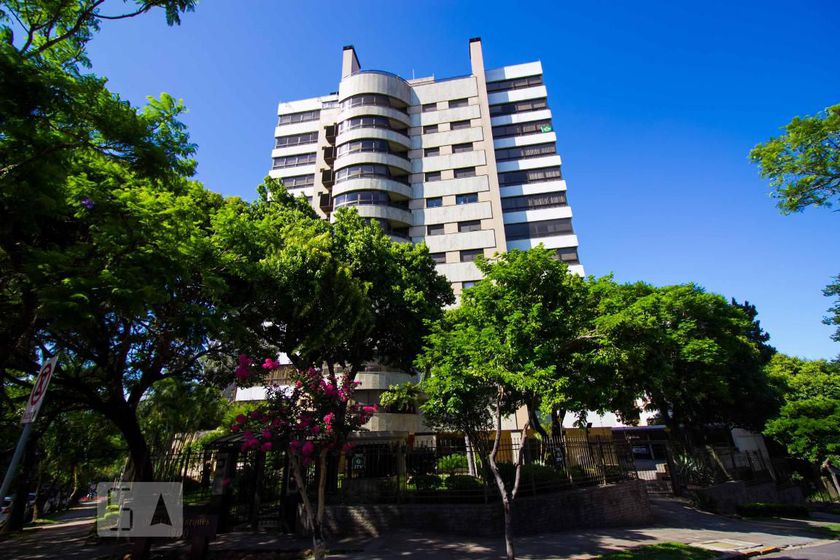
[{"x": 675, "y": 521}]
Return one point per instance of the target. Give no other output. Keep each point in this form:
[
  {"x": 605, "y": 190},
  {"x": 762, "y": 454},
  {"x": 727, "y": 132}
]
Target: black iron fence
[{"x": 457, "y": 471}]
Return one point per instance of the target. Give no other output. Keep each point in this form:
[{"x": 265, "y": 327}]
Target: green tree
[
  {"x": 804, "y": 163},
  {"x": 697, "y": 358},
  {"x": 808, "y": 423},
  {"x": 522, "y": 337},
  {"x": 804, "y": 167}
]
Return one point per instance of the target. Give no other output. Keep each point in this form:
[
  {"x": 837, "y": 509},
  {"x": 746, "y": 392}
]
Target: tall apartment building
[{"x": 468, "y": 165}]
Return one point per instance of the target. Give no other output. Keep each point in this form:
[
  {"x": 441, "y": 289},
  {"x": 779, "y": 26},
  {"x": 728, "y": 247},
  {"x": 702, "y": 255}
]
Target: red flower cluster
[{"x": 314, "y": 414}]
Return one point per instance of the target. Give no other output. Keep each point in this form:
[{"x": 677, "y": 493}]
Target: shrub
[
  {"x": 542, "y": 474},
  {"x": 763, "y": 509},
  {"x": 452, "y": 464},
  {"x": 462, "y": 482},
  {"x": 426, "y": 482}
]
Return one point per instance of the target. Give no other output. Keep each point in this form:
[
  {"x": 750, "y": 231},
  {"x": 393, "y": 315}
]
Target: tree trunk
[
  {"x": 125, "y": 418},
  {"x": 500, "y": 483},
  {"x": 319, "y": 548}
]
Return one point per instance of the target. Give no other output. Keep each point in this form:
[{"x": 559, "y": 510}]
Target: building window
[
  {"x": 515, "y": 83},
  {"x": 436, "y": 229},
  {"x": 430, "y": 128},
  {"x": 546, "y": 228},
  {"x": 524, "y": 152},
  {"x": 435, "y": 202},
  {"x": 380, "y": 146},
  {"x": 468, "y": 284},
  {"x": 298, "y": 181},
  {"x": 522, "y": 129},
  {"x": 376, "y": 198},
  {"x": 471, "y": 254},
  {"x": 459, "y": 125},
  {"x": 432, "y": 176},
  {"x": 568, "y": 255},
  {"x": 533, "y": 201},
  {"x": 366, "y": 170},
  {"x": 365, "y": 122},
  {"x": 466, "y": 198},
  {"x": 518, "y": 107},
  {"x": 461, "y": 148},
  {"x": 438, "y": 258},
  {"x": 455, "y": 103},
  {"x": 373, "y": 99},
  {"x": 430, "y": 152},
  {"x": 465, "y": 172},
  {"x": 472, "y": 225},
  {"x": 293, "y": 161},
  {"x": 305, "y": 116},
  {"x": 296, "y": 139},
  {"x": 428, "y": 107},
  {"x": 530, "y": 176}
]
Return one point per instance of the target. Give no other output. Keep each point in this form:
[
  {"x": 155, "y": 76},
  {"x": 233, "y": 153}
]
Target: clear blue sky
[{"x": 656, "y": 106}]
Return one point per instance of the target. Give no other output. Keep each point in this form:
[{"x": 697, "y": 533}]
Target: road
[{"x": 829, "y": 551}]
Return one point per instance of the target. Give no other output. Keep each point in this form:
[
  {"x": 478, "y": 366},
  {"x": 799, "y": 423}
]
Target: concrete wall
[
  {"x": 726, "y": 497},
  {"x": 603, "y": 506}
]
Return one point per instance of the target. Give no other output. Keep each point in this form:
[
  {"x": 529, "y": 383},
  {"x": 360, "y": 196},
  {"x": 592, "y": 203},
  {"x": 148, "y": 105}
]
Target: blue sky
[{"x": 656, "y": 105}]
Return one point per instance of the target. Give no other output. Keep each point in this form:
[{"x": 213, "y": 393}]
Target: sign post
[{"x": 33, "y": 405}]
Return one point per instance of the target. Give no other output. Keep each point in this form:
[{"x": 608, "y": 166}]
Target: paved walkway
[{"x": 674, "y": 521}]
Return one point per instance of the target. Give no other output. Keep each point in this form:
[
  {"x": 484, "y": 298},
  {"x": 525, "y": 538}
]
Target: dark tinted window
[
  {"x": 296, "y": 139},
  {"x": 466, "y": 198},
  {"x": 545, "y": 228},
  {"x": 522, "y": 152},
  {"x": 514, "y": 83},
  {"x": 533, "y": 201},
  {"x": 530, "y": 176}
]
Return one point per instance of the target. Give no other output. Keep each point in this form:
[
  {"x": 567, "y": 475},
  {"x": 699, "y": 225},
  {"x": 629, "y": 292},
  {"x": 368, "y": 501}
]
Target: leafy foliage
[
  {"x": 808, "y": 423},
  {"x": 804, "y": 163}
]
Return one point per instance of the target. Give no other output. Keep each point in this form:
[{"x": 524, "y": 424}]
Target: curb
[{"x": 749, "y": 553}]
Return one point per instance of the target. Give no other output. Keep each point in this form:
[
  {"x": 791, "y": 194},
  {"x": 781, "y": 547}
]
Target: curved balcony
[
  {"x": 373, "y": 81},
  {"x": 358, "y": 158},
  {"x": 372, "y": 184},
  {"x": 376, "y": 111},
  {"x": 364, "y": 133},
  {"x": 396, "y": 216}
]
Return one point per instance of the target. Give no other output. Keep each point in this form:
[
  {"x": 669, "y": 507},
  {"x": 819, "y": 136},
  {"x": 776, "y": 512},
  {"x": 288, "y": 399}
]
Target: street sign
[
  {"x": 39, "y": 391},
  {"x": 358, "y": 462}
]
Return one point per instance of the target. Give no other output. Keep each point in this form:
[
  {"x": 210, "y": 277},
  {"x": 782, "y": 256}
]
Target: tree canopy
[
  {"x": 803, "y": 164},
  {"x": 808, "y": 423}
]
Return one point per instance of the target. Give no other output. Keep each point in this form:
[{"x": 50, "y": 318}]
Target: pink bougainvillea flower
[
  {"x": 265, "y": 447},
  {"x": 307, "y": 449},
  {"x": 298, "y": 384},
  {"x": 235, "y": 428},
  {"x": 254, "y": 414},
  {"x": 242, "y": 373},
  {"x": 328, "y": 419},
  {"x": 270, "y": 364},
  {"x": 276, "y": 423},
  {"x": 240, "y": 419},
  {"x": 369, "y": 409},
  {"x": 266, "y": 434},
  {"x": 244, "y": 360},
  {"x": 316, "y": 429}
]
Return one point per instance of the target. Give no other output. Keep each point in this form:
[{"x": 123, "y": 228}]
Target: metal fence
[{"x": 454, "y": 471}]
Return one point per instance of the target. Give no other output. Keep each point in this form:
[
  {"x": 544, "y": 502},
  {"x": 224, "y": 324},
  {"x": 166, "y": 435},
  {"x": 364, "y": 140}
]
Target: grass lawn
[{"x": 664, "y": 551}]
